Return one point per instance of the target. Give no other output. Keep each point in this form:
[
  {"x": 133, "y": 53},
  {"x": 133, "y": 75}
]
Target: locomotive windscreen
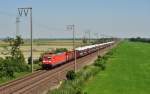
[{"x": 47, "y": 57}]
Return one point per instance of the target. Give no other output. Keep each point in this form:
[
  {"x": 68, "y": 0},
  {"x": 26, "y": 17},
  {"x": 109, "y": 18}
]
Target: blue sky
[{"x": 121, "y": 18}]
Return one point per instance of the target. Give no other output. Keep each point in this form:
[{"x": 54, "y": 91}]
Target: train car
[
  {"x": 51, "y": 60},
  {"x": 69, "y": 56}
]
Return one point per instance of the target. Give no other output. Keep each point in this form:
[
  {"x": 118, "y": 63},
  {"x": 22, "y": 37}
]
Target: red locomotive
[{"x": 50, "y": 60}]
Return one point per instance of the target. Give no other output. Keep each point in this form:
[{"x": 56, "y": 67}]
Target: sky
[{"x": 117, "y": 18}]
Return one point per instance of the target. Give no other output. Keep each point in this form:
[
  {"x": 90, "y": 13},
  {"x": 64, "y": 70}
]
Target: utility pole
[
  {"x": 24, "y": 11},
  {"x": 72, "y": 27},
  {"x": 17, "y": 26}
]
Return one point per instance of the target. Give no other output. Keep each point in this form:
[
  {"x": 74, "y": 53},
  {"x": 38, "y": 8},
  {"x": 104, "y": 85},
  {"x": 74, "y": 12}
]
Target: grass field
[
  {"x": 127, "y": 72},
  {"x": 42, "y": 45}
]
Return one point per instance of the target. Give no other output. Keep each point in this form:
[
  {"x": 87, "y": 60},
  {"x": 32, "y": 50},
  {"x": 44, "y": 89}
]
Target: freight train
[{"x": 51, "y": 60}]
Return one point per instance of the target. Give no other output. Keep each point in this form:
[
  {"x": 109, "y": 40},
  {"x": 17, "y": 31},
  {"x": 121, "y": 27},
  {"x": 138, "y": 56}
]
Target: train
[{"x": 51, "y": 60}]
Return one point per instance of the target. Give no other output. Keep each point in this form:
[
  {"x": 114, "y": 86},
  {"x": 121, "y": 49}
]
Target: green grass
[
  {"x": 37, "y": 66},
  {"x": 127, "y": 71}
]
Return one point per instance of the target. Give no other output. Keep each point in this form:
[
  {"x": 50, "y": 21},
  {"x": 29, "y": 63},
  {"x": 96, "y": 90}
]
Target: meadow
[{"x": 127, "y": 71}]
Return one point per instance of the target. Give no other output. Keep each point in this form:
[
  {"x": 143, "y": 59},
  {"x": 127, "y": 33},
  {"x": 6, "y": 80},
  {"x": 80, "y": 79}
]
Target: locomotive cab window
[{"x": 49, "y": 57}]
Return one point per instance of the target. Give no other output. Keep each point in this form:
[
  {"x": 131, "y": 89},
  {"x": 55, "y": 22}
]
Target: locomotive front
[{"x": 47, "y": 61}]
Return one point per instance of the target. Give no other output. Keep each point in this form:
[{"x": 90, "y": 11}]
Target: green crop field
[{"x": 127, "y": 71}]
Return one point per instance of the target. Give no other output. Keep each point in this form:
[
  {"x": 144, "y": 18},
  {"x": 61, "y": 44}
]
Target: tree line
[{"x": 139, "y": 39}]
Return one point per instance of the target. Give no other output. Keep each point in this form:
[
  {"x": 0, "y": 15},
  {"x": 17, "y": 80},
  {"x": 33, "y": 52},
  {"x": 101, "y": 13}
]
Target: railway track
[
  {"x": 17, "y": 81},
  {"x": 43, "y": 80}
]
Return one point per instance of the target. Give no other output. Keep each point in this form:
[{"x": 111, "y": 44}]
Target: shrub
[
  {"x": 100, "y": 62},
  {"x": 6, "y": 70},
  {"x": 99, "y": 57},
  {"x": 85, "y": 67},
  {"x": 71, "y": 75},
  {"x": 59, "y": 50},
  {"x": 36, "y": 61},
  {"x": 40, "y": 58}
]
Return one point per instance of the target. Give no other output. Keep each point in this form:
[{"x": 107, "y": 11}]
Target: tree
[
  {"x": 84, "y": 41},
  {"x": 14, "y": 45},
  {"x": 15, "y": 62}
]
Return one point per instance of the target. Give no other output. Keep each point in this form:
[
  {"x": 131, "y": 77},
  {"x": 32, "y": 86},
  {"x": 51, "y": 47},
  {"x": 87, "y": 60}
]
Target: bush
[
  {"x": 99, "y": 57},
  {"x": 71, "y": 75},
  {"x": 40, "y": 58},
  {"x": 10, "y": 65},
  {"x": 85, "y": 67},
  {"x": 6, "y": 70},
  {"x": 59, "y": 50},
  {"x": 101, "y": 62},
  {"x": 18, "y": 65},
  {"x": 36, "y": 61}
]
